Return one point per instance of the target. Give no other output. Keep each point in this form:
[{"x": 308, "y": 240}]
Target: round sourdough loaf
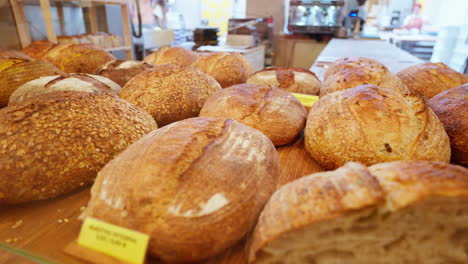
[
  {"x": 451, "y": 106},
  {"x": 276, "y": 113},
  {"x": 38, "y": 49},
  {"x": 121, "y": 71},
  {"x": 54, "y": 143},
  {"x": 196, "y": 187},
  {"x": 78, "y": 58},
  {"x": 371, "y": 125},
  {"x": 293, "y": 80},
  {"x": 227, "y": 68},
  {"x": 174, "y": 55},
  {"x": 14, "y": 54},
  {"x": 170, "y": 92},
  {"x": 429, "y": 79},
  {"x": 351, "y": 72},
  {"x": 16, "y": 72},
  {"x": 356, "y": 215},
  {"x": 80, "y": 82}
]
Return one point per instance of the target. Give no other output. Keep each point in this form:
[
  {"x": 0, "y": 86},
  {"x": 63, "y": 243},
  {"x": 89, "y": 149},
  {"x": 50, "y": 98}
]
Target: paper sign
[
  {"x": 124, "y": 244},
  {"x": 306, "y": 100}
]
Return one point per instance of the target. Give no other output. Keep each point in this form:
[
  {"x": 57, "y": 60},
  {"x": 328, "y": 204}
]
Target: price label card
[
  {"x": 306, "y": 100},
  {"x": 124, "y": 244}
]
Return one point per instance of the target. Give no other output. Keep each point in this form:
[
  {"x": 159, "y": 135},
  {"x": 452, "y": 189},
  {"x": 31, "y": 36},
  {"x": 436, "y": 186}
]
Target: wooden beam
[
  {"x": 21, "y": 23},
  {"x": 61, "y": 18},
  {"x": 48, "y": 20},
  {"x": 126, "y": 30},
  {"x": 93, "y": 18}
]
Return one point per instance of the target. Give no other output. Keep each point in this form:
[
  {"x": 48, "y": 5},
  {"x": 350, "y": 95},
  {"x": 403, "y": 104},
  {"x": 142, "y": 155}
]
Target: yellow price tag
[
  {"x": 306, "y": 100},
  {"x": 116, "y": 241}
]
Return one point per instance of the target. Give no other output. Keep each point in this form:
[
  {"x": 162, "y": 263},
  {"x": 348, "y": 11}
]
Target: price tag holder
[
  {"x": 306, "y": 100},
  {"x": 118, "y": 242}
]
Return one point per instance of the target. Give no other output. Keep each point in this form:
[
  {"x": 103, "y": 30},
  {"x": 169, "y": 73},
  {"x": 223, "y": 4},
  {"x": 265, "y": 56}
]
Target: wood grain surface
[{"x": 45, "y": 228}]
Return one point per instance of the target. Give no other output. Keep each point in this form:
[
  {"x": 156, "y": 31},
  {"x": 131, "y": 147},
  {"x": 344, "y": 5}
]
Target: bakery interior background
[{"x": 290, "y": 33}]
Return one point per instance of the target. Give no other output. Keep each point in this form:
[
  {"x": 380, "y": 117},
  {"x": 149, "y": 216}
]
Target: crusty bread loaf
[
  {"x": 276, "y": 113},
  {"x": 54, "y": 143},
  {"x": 430, "y": 79},
  {"x": 16, "y": 72},
  {"x": 170, "y": 92},
  {"x": 13, "y": 54},
  {"x": 172, "y": 55},
  {"x": 451, "y": 106},
  {"x": 351, "y": 72},
  {"x": 121, "y": 71},
  {"x": 371, "y": 125},
  {"x": 80, "y": 82},
  {"x": 78, "y": 58},
  {"x": 293, "y": 80},
  {"x": 400, "y": 212},
  {"x": 196, "y": 187},
  {"x": 38, "y": 49},
  {"x": 227, "y": 68}
]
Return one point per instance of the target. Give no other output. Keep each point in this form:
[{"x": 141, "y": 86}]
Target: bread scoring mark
[
  {"x": 240, "y": 145},
  {"x": 129, "y": 64},
  {"x": 215, "y": 203}
]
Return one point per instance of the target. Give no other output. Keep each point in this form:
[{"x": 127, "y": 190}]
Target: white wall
[
  {"x": 191, "y": 10},
  {"x": 447, "y": 12}
]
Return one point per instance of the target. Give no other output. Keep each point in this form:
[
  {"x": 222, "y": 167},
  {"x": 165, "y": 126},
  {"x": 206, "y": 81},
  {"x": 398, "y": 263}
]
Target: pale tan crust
[
  {"x": 170, "y": 92},
  {"x": 351, "y": 63},
  {"x": 227, "y": 68},
  {"x": 38, "y": 49},
  {"x": 371, "y": 125},
  {"x": 14, "y": 54},
  {"x": 172, "y": 55},
  {"x": 54, "y": 143},
  {"x": 78, "y": 58},
  {"x": 430, "y": 79},
  {"x": 120, "y": 75},
  {"x": 196, "y": 187},
  {"x": 293, "y": 80},
  {"x": 276, "y": 113},
  {"x": 451, "y": 106}
]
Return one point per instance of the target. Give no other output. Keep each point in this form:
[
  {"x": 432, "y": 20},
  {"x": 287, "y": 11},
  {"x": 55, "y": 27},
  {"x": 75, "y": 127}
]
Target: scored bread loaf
[
  {"x": 54, "y": 143},
  {"x": 196, "y": 187},
  {"x": 170, "y": 92},
  {"x": 350, "y": 63},
  {"x": 372, "y": 125},
  {"x": 429, "y": 79},
  {"x": 276, "y": 113},
  {"x": 14, "y": 54},
  {"x": 399, "y": 212},
  {"x": 38, "y": 49},
  {"x": 121, "y": 71},
  {"x": 80, "y": 82},
  {"x": 451, "y": 106},
  {"x": 227, "y": 68},
  {"x": 293, "y": 80},
  {"x": 172, "y": 55}
]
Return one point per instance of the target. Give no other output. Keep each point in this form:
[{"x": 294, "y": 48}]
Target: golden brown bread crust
[
  {"x": 276, "y": 113},
  {"x": 351, "y": 63},
  {"x": 227, "y": 68},
  {"x": 172, "y": 55},
  {"x": 196, "y": 187},
  {"x": 78, "y": 58},
  {"x": 80, "y": 82},
  {"x": 429, "y": 79},
  {"x": 14, "y": 54},
  {"x": 170, "y": 92},
  {"x": 371, "y": 125},
  {"x": 294, "y": 80},
  {"x": 451, "y": 106},
  {"x": 47, "y": 149},
  {"x": 38, "y": 49},
  {"x": 16, "y": 72},
  {"x": 121, "y": 71}
]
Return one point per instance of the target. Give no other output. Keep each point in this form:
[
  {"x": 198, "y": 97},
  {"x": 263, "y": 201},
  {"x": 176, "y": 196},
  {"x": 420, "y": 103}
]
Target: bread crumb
[
  {"x": 65, "y": 220},
  {"x": 17, "y": 224},
  {"x": 8, "y": 240},
  {"x": 60, "y": 220},
  {"x": 81, "y": 183}
]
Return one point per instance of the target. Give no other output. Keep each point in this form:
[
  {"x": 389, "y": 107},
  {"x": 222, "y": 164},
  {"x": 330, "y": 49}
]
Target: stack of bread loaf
[
  {"x": 100, "y": 39},
  {"x": 207, "y": 179}
]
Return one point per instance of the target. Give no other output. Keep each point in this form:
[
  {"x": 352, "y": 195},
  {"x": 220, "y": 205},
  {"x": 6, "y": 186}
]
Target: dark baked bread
[{"x": 121, "y": 71}]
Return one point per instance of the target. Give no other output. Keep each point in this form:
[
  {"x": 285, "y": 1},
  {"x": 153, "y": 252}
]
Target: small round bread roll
[
  {"x": 54, "y": 143},
  {"x": 293, "y": 80},
  {"x": 170, "y": 92},
  {"x": 16, "y": 72},
  {"x": 227, "y": 68},
  {"x": 13, "y": 54},
  {"x": 451, "y": 106},
  {"x": 38, "y": 49},
  {"x": 349, "y": 73},
  {"x": 78, "y": 58},
  {"x": 276, "y": 113},
  {"x": 174, "y": 55},
  {"x": 430, "y": 79},
  {"x": 368, "y": 124},
  {"x": 196, "y": 187},
  {"x": 80, "y": 82},
  {"x": 121, "y": 71}
]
